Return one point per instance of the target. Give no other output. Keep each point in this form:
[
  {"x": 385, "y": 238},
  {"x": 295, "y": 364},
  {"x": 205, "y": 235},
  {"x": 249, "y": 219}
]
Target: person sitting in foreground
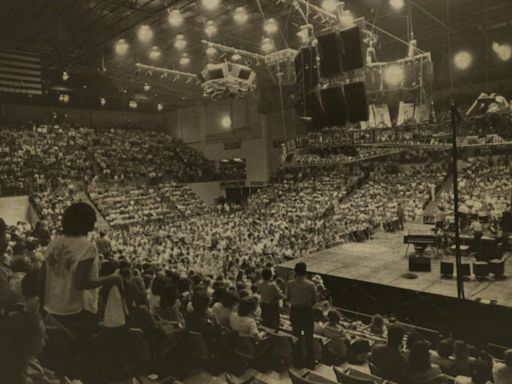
[
  {"x": 421, "y": 369},
  {"x": 443, "y": 355},
  {"x": 388, "y": 358},
  {"x": 201, "y": 320},
  {"x": 338, "y": 344},
  {"x": 502, "y": 372},
  {"x": 224, "y": 310},
  {"x": 461, "y": 364},
  {"x": 23, "y": 338}
]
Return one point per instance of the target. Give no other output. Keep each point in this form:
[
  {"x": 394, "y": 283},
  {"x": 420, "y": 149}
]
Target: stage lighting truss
[
  {"x": 280, "y": 63},
  {"x": 218, "y": 89}
]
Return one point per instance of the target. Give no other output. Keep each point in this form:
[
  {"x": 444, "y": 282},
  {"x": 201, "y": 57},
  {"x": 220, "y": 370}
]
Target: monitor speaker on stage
[
  {"x": 306, "y": 69},
  {"x": 357, "y": 105},
  {"x": 419, "y": 264},
  {"x": 333, "y": 101}
]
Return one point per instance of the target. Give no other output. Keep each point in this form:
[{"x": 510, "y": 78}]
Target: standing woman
[{"x": 71, "y": 275}]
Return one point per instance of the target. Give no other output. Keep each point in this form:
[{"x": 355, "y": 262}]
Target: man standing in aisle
[{"x": 302, "y": 297}]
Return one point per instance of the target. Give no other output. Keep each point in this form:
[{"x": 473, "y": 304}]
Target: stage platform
[{"x": 382, "y": 261}]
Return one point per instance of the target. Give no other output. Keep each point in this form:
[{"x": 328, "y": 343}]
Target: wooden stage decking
[{"x": 382, "y": 260}]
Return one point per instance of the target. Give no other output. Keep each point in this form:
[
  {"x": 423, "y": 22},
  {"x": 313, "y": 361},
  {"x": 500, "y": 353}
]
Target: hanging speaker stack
[{"x": 340, "y": 54}]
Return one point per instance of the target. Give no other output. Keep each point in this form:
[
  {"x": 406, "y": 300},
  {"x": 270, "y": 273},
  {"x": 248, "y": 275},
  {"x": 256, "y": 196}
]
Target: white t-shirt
[{"x": 62, "y": 257}]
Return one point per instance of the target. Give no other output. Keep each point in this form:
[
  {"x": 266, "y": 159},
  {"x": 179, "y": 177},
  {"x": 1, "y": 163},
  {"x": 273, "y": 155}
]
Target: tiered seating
[
  {"x": 182, "y": 197},
  {"x": 130, "y": 205}
]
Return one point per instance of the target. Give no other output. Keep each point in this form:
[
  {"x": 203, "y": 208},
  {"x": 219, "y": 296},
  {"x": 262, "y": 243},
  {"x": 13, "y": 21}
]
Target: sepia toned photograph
[{"x": 255, "y": 192}]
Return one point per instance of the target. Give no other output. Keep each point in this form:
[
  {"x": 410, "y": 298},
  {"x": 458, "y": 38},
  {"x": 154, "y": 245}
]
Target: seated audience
[
  {"x": 502, "y": 372},
  {"x": 388, "y": 359}
]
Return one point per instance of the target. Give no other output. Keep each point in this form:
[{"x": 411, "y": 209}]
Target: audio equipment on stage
[{"x": 419, "y": 264}]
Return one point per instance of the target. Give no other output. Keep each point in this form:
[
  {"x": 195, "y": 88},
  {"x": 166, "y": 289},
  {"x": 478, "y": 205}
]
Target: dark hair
[
  {"x": 318, "y": 314},
  {"x": 200, "y": 301},
  {"x": 20, "y": 264},
  {"x": 445, "y": 348},
  {"x": 480, "y": 372},
  {"x": 419, "y": 356},
  {"x": 300, "y": 269},
  {"x": 168, "y": 296},
  {"x": 229, "y": 299},
  {"x": 266, "y": 274},
  {"x": 246, "y": 306},
  {"x": 158, "y": 285},
  {"x": 78, "y": 219},
  {"x": 460, "y": 350},
  {"x": 395, "y": 335},
  {"x": 333, "y": 316}
]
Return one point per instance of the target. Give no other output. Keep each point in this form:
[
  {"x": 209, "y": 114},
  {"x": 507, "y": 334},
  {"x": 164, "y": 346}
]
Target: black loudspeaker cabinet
[
  {"x": 334, "y": 106},
  {"x": 447, "y": 268},
  {"x": 419, "y": 264},
  {"x": 351, "y": 49},
  {"x": 330, "y": 55},
  {"x": 357, "y": 104},
  {"x": 310, "y": 106},
  {"x": 306, "y": 69}
]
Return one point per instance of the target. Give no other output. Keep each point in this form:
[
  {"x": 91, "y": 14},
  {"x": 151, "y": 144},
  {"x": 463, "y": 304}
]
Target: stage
[{"x": 382, "y": 261}]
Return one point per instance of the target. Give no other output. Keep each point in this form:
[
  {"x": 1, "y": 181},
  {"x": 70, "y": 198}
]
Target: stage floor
[{"x": 382, "y": 260}]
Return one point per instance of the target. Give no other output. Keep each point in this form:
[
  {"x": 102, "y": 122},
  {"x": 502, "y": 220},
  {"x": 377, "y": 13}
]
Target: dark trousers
[
  {"x": 270, "y": 315},
  {"x": 84, "y": 325},
  {"x": 302, "y": 327}
]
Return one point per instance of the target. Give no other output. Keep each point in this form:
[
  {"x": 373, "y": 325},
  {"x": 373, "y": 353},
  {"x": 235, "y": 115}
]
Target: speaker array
[{"x": 339, "y": 53}]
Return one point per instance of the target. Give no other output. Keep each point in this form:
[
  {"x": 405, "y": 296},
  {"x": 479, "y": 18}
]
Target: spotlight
[
  {"x": 397, "y": 4},
  {"x": 175, "y": 18},
  {"x": 180, "y": 42},
  {"x": 184, "y": 59},
  {"x": 240, "y": 15},
  {"x": 103, "y": 101},
  {"x": 393, "y": 75},
  {"x": 463, "y": 60},
  {"x": 147, "y": 87},
  {"x": 65, "y": 76},
  {"x": 266, "y": 45},
  {"x": 210, "y": 5},
  {"x": 211, "y": 28},
  {"x": 64, "y": 98},
  {"x": 271, "y": 26},
  {"x": 211, "y": 51},
  {"x": 159, "y": 107},
  {"x": 329, "y": 5},
  {"x": 145, "y": 33},
  {"x": 121, "y": 47},
  {"x": 132, "y": 104},
  {"x": 155, "y": 53},
  {"x": 225, "y": 122},
  {"x": 503, "y": 51},
  {"x": 236, "y": 57}
]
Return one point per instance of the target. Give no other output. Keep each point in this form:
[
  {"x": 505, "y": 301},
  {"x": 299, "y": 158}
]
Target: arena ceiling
[{"x": 78, "y": 36}]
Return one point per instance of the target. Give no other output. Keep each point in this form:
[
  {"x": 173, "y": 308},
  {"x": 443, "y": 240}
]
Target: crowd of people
[
  {"x": 42, "y": 155},
  {"x": 485, "y": 189},
  {"x": 68, "y": 308}
]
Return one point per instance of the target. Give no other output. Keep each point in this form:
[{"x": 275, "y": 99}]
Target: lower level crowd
[{"x": 74, "y": 307}]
